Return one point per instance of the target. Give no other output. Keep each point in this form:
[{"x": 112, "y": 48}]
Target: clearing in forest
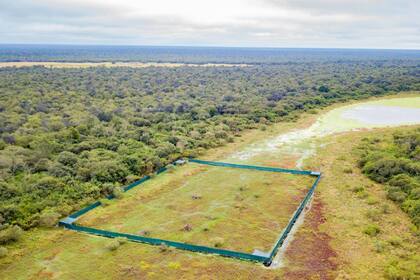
[{"x": 235, "y": 209}]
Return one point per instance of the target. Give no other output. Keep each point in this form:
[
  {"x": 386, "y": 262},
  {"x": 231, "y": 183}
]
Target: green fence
[
  {"x": 292, "y": 222},
  {"x": 156, "y": 241},
  {"x": 69, "y": 222},
  {"x": 254, "y": 167}
]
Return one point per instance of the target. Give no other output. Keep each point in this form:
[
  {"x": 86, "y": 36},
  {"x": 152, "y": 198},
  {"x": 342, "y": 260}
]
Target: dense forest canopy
[{"x": 70, "y": 136}]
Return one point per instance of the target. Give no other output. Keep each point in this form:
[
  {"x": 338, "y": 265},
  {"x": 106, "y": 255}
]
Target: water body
[
  {"x": 379, "y": 115},
  {"x": 367, "y": 115}
]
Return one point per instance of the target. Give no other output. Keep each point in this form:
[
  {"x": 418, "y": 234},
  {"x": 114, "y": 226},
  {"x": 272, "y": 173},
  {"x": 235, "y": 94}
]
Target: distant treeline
[
  {"x": 75, "y": 53},
  {"x": 71, "y": 136}
]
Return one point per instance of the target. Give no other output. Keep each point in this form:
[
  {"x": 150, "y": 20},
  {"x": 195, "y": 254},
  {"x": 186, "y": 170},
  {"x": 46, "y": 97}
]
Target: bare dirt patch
[{"x": 310, "y": 254}]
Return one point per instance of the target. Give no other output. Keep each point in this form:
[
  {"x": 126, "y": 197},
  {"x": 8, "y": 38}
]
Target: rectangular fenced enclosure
[{"x": 232, "y": 210}]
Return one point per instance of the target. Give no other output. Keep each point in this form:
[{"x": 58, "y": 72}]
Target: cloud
[{"x": 264, "y": 23}]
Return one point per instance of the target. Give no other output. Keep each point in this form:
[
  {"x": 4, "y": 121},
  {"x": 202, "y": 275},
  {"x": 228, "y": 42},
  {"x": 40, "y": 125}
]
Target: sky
[{"x": 391, "y": 24}]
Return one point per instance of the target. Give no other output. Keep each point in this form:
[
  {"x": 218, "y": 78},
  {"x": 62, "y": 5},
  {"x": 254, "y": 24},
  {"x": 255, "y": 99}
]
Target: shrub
[
  {"x": 107, "y": 188},
  {"x": 164, "y": 248},
  {"x": 113, "y": 245},
  {"x": 3, "y": 252},
  {"x": 342, "y": 157},
  {"x": 174, "y": 265},
  {"x": 67, "y": 158},
  {"x": 372, "y": 201},
  {"x": 132, "y": 178},
  {"x": 10, "y": 234},
  {"x": 324, "y": 89},
  {"x": 170, "y": 168},
  {"x": 104, "y": 116},
  {"x": 403, "y": 182},
  {"x": 372, "y": 230},
  {"x": 49, "y": 218},
  {"x": 105, "y": 202},
  {"x": 187, "y": 227},
  {"x": 144, "y": 233},
  {"x": 401, "y": 270},
  {"x": 415, "y": 194},
  {"x": 373, "y": 215},
  {"x": 121, "y": 240},
  {"x": 2, "y": 145},
  {"x": 395, "y": 241},
  {"x": 42, "y": 164},
  {"x": 118, "y": 193},
  {"x": 348, "y": 170},
  {"x": 382, "y": 169},
  {"x": 48, "y": 184},
  {"x": 412, "y": 208},
  {"x": 108, "y": 171},
  {"x": 362, "y": 194},
  {"x": 7, "y": 191},
  {"x": 218, "y": 242},
  {"x": 358, "y": 189},
  {"x": 379, "y": 246},
  {"x": 386, "y": 209},
  {"x": 59, "y": 170},
  {"x": 396, "y": 195}
]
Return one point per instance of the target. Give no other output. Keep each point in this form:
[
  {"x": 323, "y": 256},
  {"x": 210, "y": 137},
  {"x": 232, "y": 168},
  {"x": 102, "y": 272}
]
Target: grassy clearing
[{"x": 230, "y": 208}]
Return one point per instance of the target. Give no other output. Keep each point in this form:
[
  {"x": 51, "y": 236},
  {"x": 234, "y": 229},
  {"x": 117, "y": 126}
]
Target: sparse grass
[{"x": 231, "y": 205}]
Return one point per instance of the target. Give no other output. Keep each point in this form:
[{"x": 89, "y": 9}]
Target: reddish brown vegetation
[{"x": 310, "y": 255}]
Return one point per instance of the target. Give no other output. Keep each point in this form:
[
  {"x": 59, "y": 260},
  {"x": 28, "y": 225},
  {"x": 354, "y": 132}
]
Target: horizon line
[{"x": 202, "y": 46}]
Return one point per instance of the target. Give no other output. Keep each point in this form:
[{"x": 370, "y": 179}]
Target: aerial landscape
[{"x": 169, "y": 141}]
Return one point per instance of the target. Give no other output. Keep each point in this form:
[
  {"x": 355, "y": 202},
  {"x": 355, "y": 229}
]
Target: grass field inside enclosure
[{"x": 222, "y": 207}]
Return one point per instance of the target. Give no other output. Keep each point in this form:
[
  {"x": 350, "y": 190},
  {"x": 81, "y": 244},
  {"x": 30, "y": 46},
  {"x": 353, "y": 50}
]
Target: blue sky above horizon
[{"x": 383, "y": 24}]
